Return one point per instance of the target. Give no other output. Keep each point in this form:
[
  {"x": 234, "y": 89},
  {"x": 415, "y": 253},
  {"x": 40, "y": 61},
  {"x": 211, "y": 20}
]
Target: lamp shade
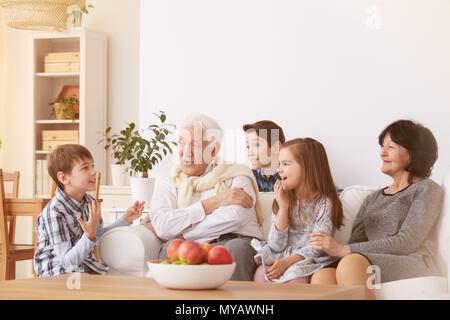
[{"x": 45, "y": 15}]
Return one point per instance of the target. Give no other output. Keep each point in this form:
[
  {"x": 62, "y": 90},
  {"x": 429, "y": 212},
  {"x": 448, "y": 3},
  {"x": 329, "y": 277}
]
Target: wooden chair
[
  {"x": 94, "y": 194},
  {"x": 9, "y": 251},
  {"x": 14, "y": 178}
]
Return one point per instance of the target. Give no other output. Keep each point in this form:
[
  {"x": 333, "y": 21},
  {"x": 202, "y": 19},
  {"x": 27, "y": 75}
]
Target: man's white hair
[{"x": 212, "y": 130}]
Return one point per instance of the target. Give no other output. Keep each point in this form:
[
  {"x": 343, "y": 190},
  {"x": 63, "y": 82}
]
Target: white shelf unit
[
  {"x": 58, "y": 75},
  {"x": 92, "y": 80}
]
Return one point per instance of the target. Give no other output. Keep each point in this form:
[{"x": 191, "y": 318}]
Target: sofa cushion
[
  {"x": 352, "y": 198},
  {"x": 441, "y": 232},
  {"x": 413, "y": 288},
  {"x": 127, "y": 249}
]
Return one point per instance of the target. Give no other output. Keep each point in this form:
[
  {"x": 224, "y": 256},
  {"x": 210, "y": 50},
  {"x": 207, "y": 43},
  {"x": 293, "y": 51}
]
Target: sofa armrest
[{"x": 127, "y": 249}]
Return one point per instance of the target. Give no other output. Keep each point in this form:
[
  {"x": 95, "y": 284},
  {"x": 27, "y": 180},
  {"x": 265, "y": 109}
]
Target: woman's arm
[{"x": 323, "y": 241}]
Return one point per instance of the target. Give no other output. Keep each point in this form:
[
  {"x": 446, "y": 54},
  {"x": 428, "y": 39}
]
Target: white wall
[
  {"x": 120, "y": 21},
  {"x": 16, "y": 123},
  {"x": 318, "y": 68}
]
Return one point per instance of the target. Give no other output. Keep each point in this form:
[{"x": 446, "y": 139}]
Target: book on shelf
[
  {"x": 38, "y": 180},
  {"x": 62, "y": 62},
  {"x": 43, "y": 180},
  {"x": 47, "y": 181}
]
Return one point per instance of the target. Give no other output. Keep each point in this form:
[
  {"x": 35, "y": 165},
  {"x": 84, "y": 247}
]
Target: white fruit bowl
[{"x": 180, "y": 276}]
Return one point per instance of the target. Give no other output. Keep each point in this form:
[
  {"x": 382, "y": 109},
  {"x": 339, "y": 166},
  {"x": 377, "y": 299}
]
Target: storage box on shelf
[
  {"x": 53, "y": 138},
  {"x": 62, "y": 62},
  {"x": 66, "y": 63}
]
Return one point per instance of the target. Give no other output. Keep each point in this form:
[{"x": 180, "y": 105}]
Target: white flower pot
[
  {"x": 142, "y": 190},
  {"x": 119, "y": 175}
]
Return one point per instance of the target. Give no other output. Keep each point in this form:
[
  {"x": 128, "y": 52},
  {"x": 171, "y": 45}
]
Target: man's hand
[
  {"x": 326, "y": 243},
  {"x": 90, "y": 227},
  {"x": 236, "y": 196},
  {"x": 134, "y": 212},
  {"x": 233, "y": 196}
]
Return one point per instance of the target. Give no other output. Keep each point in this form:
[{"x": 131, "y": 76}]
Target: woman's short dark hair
[{"x": 418, "y": 141}]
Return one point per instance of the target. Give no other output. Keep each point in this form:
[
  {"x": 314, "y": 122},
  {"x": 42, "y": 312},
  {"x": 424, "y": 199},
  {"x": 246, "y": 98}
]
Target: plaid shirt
[
  {"x": 265, "y": 183},
  {"x": 62, "y": 245}
]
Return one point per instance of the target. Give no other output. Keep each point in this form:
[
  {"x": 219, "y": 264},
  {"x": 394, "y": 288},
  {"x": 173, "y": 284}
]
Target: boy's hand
[
  {"x": 90, "y": 227},
  {"x": 134, "y": 212}
]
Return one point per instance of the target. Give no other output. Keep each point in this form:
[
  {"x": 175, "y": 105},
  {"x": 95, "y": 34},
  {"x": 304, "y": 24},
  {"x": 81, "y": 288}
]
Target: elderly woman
[{"x": 393, "y": 223}]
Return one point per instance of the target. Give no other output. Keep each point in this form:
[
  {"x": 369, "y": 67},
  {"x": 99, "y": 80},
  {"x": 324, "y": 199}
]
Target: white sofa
[{"x": 127, "y": 249}]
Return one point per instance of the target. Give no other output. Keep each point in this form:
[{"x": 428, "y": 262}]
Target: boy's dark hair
[
  {"x": 264, "y": 128},
  {"x": 63, "y": 158},
  {"x": 418, "y": 141}
]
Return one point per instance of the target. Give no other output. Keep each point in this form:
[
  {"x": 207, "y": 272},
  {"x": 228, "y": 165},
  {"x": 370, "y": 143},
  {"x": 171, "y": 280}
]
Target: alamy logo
[
  {"x": 373, "y": 281},
  {"x": 73, "y": 282}
]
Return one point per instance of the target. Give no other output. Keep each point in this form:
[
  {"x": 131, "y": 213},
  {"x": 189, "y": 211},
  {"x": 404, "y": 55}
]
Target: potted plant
[
  {"x": 66, "y": 108},
  {"x": 76, "y": 14},
  {"x": 147, "y": 152},
  {"x": 121, "y": 152}
]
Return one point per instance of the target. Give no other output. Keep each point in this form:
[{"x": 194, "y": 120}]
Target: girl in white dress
[{"x": 306, "y": 201}]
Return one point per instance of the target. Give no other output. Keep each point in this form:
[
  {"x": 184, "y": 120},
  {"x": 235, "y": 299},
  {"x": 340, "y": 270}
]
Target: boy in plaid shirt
[{"x": 71, "y": 223}]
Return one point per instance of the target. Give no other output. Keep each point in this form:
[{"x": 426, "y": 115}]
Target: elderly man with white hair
[{"x": 207, "y": 199}]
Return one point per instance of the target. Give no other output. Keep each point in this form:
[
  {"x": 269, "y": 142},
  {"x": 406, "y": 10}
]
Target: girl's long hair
[{"x": 316, "y": 175}]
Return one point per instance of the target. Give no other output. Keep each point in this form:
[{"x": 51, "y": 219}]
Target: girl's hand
[
  {"x": 277, "y": 269},
  {"x": 90, "y": 227},
  {"x": 326, "y": 243},
  {"x": 134, "y": 212},
  {"x": 281, "y": 196}
]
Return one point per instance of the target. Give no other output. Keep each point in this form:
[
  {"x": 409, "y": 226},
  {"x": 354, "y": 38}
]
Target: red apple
[
  {"x": 219, "y": 255},
  {"x": 206, "y": 247},
  {"x": 191, "y": 252},
  {"x": 172, "y": 250}
]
